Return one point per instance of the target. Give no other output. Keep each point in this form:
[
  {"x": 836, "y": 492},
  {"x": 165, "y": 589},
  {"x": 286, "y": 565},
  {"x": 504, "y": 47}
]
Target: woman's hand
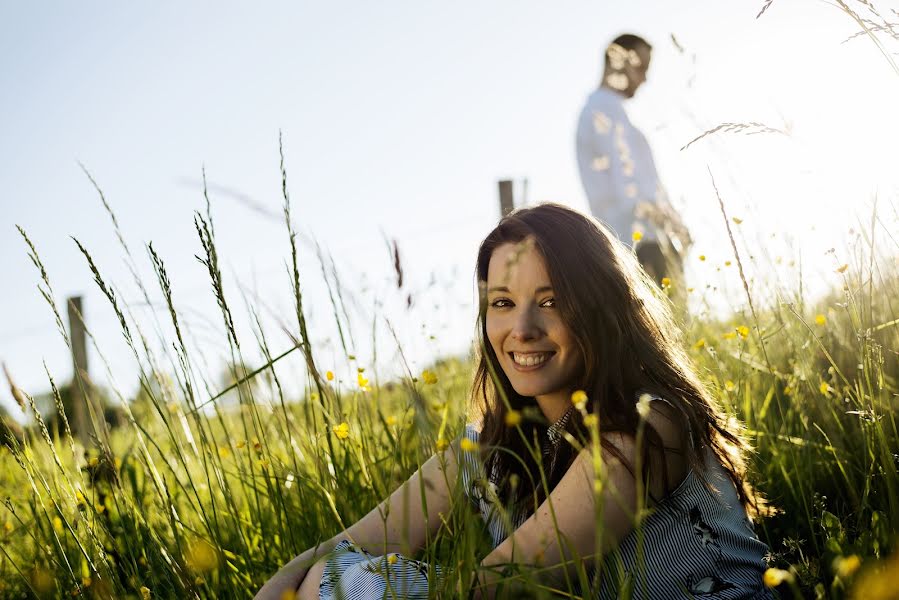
[
  {"x": 284, "y": 584},
  {"x": 309, "y": 589}
]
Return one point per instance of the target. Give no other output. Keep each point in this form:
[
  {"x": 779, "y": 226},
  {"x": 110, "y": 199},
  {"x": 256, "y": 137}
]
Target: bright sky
[{"x": 398, "y": 119}]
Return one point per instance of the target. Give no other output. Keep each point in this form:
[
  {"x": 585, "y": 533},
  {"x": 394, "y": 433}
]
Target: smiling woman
[{"x": 600, "y": 461}]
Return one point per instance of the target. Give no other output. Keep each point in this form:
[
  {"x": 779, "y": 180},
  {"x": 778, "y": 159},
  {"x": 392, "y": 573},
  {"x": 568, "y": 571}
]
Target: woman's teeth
[{"x": 530, "y": 360}]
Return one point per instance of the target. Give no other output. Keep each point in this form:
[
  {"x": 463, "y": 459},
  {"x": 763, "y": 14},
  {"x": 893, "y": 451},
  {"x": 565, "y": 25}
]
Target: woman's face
[{"x": 535, "y": 348}]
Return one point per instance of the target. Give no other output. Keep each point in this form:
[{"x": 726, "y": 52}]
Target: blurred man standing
[{"x": 617, "y": 168}]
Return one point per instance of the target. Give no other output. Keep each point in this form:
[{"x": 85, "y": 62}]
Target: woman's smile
[{"x": 530, "y": 361}]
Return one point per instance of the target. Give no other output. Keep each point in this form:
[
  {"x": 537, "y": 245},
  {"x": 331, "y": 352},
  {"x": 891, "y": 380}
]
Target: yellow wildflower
[
  {"x": 442, "y": 445},
  {"x": 429, "y": 377},
  {"x": 342, "y": 431},
  {"x": 201, "y": 555},
  {"x": 743, "y": 331},
  {"x": 878, "y": 582},
  {"x": 363, "y": 382},
  {"x": 579, "y": 399},
  {"x": 637, "y": 235},
  {"x": 700, "y": 343},
  {"x": 329, "y": 375},
  {"x": 467, "y": 445},
  {"x": 820, "y": 319},
  {"x": 825, "y": 388},
  {"x": 774, "y": 577},
  {"x": 846, "y": 566},
  {"x": 513, "y": 418}
]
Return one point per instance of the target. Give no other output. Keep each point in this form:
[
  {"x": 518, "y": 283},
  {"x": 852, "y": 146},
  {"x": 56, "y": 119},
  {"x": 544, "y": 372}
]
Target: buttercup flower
[
  {"x": 513, "y": 418},
  {"x": 342, "y": 431},
  {"x": 467, "y": 445},
  {"x": 846, "y": 566},
  {"x": 775, "y": 577},
  {"x": 579, "y": 399}
]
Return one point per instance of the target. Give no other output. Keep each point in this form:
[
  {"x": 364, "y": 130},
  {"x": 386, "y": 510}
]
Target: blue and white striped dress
[{"x": 697, "y": 543}]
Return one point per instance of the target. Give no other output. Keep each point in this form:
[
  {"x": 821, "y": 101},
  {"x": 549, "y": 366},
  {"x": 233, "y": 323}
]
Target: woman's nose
[{"x": 526, "y": 326}]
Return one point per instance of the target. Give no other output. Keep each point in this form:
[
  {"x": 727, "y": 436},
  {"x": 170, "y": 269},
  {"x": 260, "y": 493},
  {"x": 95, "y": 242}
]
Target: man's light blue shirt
[{"x": 616, "y": 166}]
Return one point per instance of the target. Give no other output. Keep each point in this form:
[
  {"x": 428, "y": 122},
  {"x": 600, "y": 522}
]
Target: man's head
[{"x": 627, "y": 61}]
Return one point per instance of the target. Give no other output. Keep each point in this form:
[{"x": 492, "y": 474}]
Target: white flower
[{"x": 643, "y": 405}]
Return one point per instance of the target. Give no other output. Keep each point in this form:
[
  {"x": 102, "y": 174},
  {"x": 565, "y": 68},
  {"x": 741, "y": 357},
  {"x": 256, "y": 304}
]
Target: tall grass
[{"x": 190, "y": 499}]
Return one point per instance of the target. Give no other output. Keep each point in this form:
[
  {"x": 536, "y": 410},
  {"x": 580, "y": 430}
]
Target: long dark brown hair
[{"x": 629, "y": 343}]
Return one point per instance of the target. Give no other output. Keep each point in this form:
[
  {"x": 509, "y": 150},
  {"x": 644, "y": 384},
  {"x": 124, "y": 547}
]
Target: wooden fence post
[
  {"x": 506, "y": 197},
  {"x": 79, "y": 365}
]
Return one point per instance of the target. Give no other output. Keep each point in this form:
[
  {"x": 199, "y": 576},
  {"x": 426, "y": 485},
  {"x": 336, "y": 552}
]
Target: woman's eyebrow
[{"x": 502, "y": 288}]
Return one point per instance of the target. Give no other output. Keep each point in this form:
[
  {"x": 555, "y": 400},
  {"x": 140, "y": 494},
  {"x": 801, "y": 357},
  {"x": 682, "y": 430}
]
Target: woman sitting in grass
[{"x": 610, "y": 470}]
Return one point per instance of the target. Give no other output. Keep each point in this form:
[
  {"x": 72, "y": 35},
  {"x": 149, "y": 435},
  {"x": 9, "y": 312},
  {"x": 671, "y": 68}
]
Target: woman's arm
[
  {"x": 563, "y": 531},
  {"x": 401, "y": 523}
]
